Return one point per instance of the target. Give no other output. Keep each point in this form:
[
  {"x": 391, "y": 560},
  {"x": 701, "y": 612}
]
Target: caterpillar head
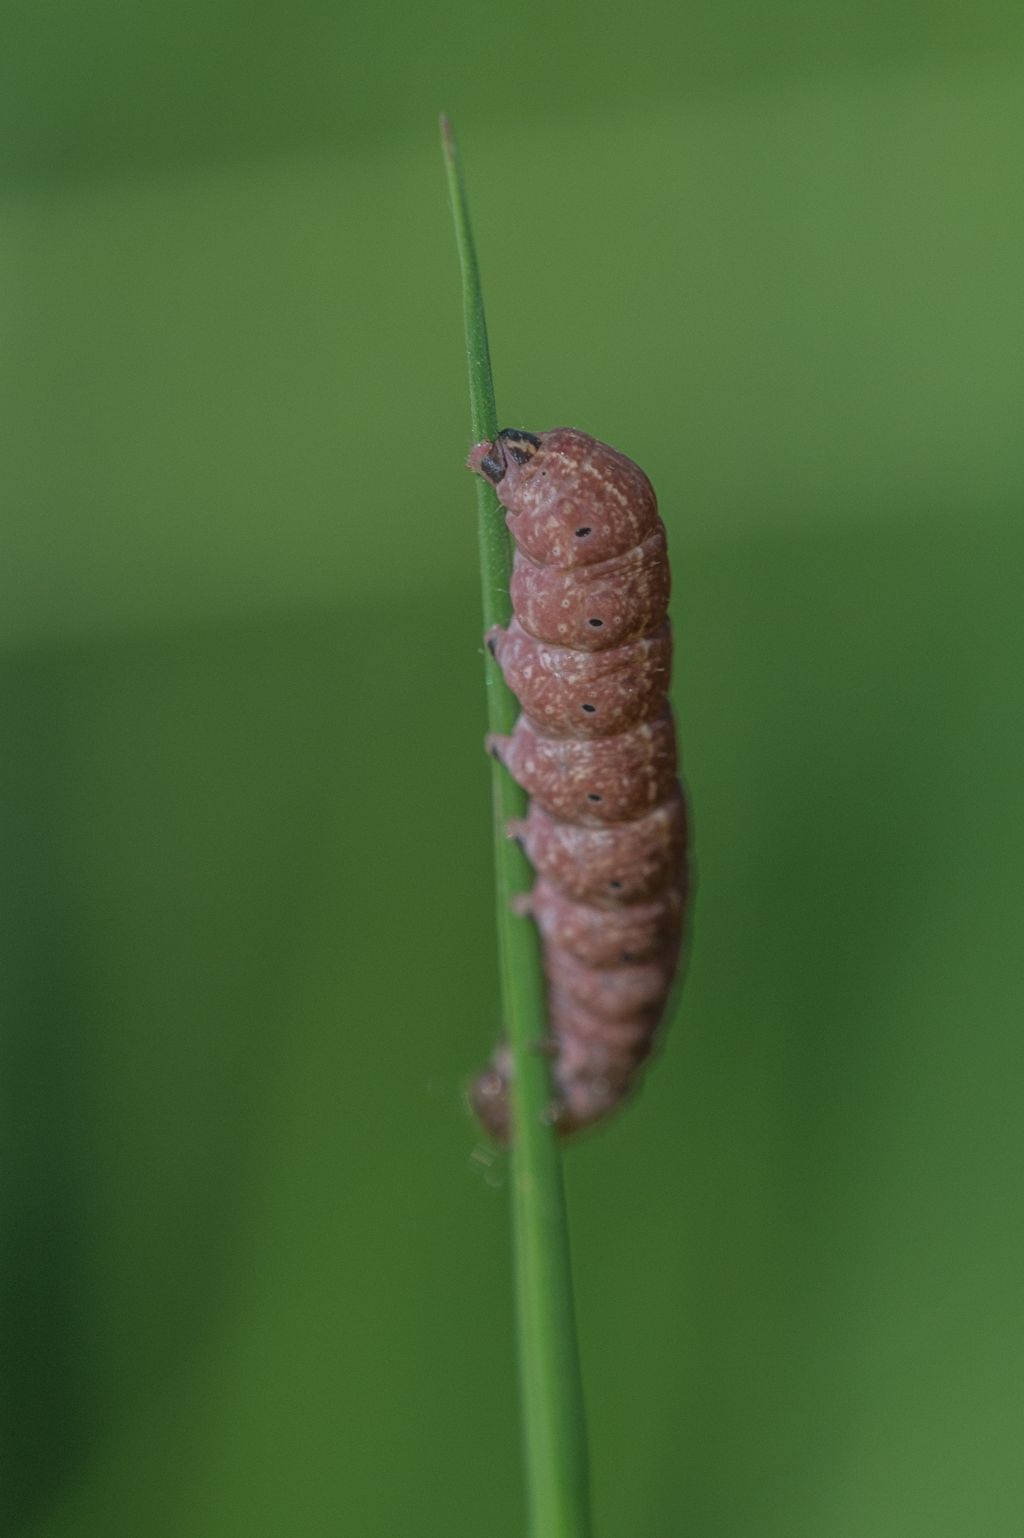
[{"x": 509, "y": 451}]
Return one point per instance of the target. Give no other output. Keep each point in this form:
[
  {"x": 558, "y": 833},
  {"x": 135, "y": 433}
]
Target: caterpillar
[{"x": 588, "y": 654}]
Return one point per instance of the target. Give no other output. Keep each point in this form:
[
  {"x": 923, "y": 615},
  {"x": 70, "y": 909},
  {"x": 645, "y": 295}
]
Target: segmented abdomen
[{"x": 588, "y": 654}]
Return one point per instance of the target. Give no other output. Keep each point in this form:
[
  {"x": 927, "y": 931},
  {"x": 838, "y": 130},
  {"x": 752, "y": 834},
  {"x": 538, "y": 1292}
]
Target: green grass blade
[{"x": 552, "y": 1397}]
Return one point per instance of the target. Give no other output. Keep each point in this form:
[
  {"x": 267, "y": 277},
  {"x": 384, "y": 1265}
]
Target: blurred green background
[{"x": 256, "y": 1266}]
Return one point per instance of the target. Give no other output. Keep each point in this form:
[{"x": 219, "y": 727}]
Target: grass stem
[{"x": 554, "y": 1430}]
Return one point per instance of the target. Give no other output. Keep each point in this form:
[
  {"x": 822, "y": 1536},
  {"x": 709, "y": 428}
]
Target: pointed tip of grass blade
[{"x": 483, "y": 415}]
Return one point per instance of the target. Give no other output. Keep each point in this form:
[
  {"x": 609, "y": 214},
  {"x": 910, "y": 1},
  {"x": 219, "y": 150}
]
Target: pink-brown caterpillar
[{"x": 588, "y": 655}]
